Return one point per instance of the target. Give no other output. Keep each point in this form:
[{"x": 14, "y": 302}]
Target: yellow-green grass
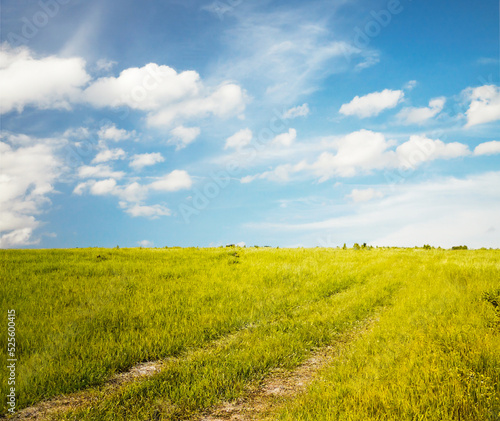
[
  {"x": 83, "y": 315},
  {"x": 435, "y": 355}
]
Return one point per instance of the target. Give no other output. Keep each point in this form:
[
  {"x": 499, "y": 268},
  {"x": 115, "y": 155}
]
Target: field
[{"x": 415, "y": 333}]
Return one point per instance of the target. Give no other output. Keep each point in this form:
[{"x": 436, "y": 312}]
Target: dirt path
[
  {"x": 279, "y": 386},
  {"x": 282, "y": 385},
  {"x": 43, "y": 410}
]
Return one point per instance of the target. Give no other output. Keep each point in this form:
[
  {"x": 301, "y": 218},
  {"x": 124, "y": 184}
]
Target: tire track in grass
[
  {"x": 282, "y": 385},
  {"x": 207, "y": 377},
  {"x": 46, "y": 410}
]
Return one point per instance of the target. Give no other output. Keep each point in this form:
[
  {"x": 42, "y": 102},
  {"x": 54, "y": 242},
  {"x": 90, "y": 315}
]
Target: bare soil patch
[{"x": 282, "y": 385}]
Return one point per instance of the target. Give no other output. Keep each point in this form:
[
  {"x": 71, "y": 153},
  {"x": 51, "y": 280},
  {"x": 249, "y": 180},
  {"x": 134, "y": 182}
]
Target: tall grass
[
  {"x": 435, "y": 355},
  {"x": 230, "y": 316}
]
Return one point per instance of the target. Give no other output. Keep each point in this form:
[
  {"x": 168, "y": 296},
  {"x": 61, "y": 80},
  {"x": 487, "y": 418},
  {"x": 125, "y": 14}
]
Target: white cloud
[
  {"x": 176, "y": 180},
  {"x": 420, "y": 149},
  {"x": 364, "y": 195},
  {"x": 488, "y": 148},
  {"x": 130, "y": 193},
  {"x": 151, "y": 212},
  {"x": 103, "y": 187},
  {"x": 286, "y": 54},
  {"x": 239, "y": 139},
  {"x": 111, "y": 132},
  {"x": 412, "y": 214},
  {"x": 183, "y": 136},
  {"x": 146, "y": 88},
  {"x": 133, "y": 192},
  {"x": 299, "y": 111},
  {"x": 50, "y": 82},
  {"x": 370, "y": 59},
  {"x": 99, "y": 171},
  {"x": 133, "y": 195},
  {"x": 412, "y": 115},
  {"x": 166, "y": 95},
  {"x": 145, "y": 243},
  {"x": 357, "y": 152},
  {"x": 29, "y": 169},
  {"x": 104, "y": 65},
  {"x": 139, "y": 161},
  {"x": 362, "y": 152},
  {"x": 227, "y": 100},
  {"x": 484, "y": 105},
  {"x": 372, "y": 104},
  {"x": 280, "y": 174},
  {"x": 109, "y": 155},
  {"x": 285, "y": 139},
  {"x": 411, "y": 85}
]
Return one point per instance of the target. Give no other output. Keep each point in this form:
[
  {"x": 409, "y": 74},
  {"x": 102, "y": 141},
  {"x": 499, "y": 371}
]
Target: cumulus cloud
[
  {"x": 139, "y": 161},
  {"x": 420, "y": 149},
  {"x": 299, "y": 111},
  {"x": 99, "y": 171},
  {"x": 239, "y": 140},
  {"x": 46, "y": 83},
  {"x": 103, "y": 187},
  {"x": 364, "y": 195},
  {"x": 484, "y": 105},
  {"x": 364, "y": 151},
  {"x": 285, "y": 139},
  {"x": 412, "y": 115},
  {"x": 357, "y": 152},
  {"x": 109, "y": 155},
  {"x": 488, "y": 148},
  {"x": 133, "y": 195},
  {"x": 167, "y": 96},
  {"x": 152, "y": 212},
  {"x": 129, "y": 193},
  {"x": 135, "y": 192},
  {"x": 111, "y": 132},
  {"x": 146, "y": 88},
  {"x": 372, "y": 104},
  {"x": 226, "y": 100},
  {"x": 176, "y": 180},
  {"x": 145, "y": 243},
  {"x": 183, "y": 136},
  {"x": 30, "y": 168}
]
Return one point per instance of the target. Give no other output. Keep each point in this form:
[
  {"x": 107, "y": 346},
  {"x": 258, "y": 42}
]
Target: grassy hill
[{"x": 221, "y": 320}]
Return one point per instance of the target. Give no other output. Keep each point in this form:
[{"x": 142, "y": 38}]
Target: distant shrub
[
  {"x": 356, "y": 246},
  {"x": 427, "y": 247},
  {"x": 459, "y": 248}
]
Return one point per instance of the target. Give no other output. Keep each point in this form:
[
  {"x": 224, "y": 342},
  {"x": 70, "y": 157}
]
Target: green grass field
[{"x": 225, "y": 318}]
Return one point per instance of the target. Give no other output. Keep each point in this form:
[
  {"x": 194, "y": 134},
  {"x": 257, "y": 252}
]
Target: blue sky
[{"x": 201, "y": 123}]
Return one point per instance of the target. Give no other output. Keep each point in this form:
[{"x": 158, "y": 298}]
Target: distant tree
[
  {"x": 345, "y": 247},
  {"x": 459, "y": 248},
  {"x": 356, "y": 246}
]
